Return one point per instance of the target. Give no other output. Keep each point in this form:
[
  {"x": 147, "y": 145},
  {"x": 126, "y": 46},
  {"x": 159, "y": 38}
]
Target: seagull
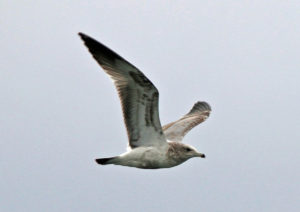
[{"x": 151, "y": 146}]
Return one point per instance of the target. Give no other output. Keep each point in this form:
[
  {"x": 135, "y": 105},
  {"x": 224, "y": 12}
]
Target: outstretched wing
[
  {"x": 139, "y": 97},
  {"x": 175, "y": 131}
]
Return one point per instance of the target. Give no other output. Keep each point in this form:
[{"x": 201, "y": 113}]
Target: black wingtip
[
  {"x": 99, "y": 51},
  {"x": 82, "y": 35},
  {"x": 200, "y": 106},
  {"x": 86, "y": 38}
]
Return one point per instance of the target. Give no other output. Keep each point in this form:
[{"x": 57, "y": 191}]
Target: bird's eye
[{"x": 188, "y": 149}]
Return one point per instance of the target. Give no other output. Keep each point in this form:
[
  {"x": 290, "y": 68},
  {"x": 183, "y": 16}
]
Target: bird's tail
[{"x": 105, "y": 161}]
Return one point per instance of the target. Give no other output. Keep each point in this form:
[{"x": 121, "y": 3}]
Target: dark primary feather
[
  {"x": 200, "y": 107},
  {"x": 101, "y": 53},
  {"x": 139, "y": 97}
]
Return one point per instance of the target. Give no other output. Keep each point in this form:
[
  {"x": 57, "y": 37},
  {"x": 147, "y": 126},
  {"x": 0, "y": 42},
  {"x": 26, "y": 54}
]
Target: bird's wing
[
  {"x": 139, "y": 97},
  {"x": 175, "y": 131}
]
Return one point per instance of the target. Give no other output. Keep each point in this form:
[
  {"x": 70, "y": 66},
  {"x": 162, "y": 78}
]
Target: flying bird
[{"x": 151, "y": 146}]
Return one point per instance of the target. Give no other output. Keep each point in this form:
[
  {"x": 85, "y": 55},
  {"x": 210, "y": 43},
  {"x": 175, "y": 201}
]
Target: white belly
[{"x": 146, "y": 158}]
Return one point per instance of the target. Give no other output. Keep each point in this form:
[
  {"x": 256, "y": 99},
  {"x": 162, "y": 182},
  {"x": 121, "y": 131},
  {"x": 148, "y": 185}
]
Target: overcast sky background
[{"x": 59, "y": 111}]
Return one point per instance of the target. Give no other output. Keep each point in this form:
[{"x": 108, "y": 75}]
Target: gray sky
[{"x": 59, "y": 111}]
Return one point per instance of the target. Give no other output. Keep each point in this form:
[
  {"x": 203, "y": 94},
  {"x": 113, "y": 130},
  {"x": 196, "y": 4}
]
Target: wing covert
[{"x": 175, "y": 131}]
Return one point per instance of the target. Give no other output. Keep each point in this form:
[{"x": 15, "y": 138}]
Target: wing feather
[
  {"x": 139, "y": 97},
  {"x": 175, "y": 131}
]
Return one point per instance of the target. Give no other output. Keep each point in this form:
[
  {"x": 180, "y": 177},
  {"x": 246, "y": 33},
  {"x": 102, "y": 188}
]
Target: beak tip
[{"x": 202, "y": 155}]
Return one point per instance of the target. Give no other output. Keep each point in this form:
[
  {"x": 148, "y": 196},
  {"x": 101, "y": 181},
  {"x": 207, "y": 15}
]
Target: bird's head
[
  {"x": 190, "y": 152},
  {"x": 184, "y": 151}
]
